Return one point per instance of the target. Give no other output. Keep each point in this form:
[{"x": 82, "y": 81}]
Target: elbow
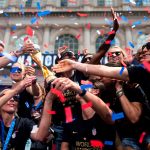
[
  {"x": 41, "y": 139},
  {"x": 134, "y": 119}
]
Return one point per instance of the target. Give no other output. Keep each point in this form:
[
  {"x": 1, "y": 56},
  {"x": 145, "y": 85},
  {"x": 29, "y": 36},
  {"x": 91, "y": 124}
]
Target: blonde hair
[{"x": 123, "y": 51}]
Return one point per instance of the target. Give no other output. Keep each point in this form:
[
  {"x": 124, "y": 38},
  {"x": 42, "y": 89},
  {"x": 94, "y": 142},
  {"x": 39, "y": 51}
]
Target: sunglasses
[
  {"x": 88, "y": 58},
  {"x": 147, "y": 46},
  {"x": 16, "y": 98},
  {"x": 112, "y": 53},
  {"x": 15, "y": 70}
]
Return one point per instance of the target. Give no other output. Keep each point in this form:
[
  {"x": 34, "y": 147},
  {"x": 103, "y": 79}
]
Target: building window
[
  {"x": 69, "y": 40},
  {"x": 64, "y": 3},
  {"x": 3, "y": 3},
  {"x": 142, "y": 39},
  {"x": 100, "y": 2},
  {"x": 20, "y": 41},
  {"x": 142, "y": 2},
  {"x": 101, "y": 39},
  {"x": 104, "y": 2},
  {"x": 28, "y": 3}
]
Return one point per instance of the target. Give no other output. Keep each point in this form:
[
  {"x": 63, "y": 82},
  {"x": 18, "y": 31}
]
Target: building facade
[{"x": 78, "y": 24}]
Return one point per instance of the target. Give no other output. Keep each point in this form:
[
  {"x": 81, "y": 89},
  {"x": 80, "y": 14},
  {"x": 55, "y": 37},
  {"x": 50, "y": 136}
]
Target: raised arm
[
  {"x": 99, "y": 70},
  {"x": 133, "y": 110},
  {"x": 12, "y": 57},
  {"x": 43, "y": 130},
  {"x": 34, "y": 89},
  {"x": 17, "y": 89},
  {"x": 107, "y": 43},
  {"x": 97, "y": 104}
]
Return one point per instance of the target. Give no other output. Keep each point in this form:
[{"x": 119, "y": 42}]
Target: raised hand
[
  {"x": 62, "y": 49},
  {"x": 63, "y": 66},
  {"x": 63, "y": 84},
  {"x": 116, "y": 23},
  {"x": 28, "y": 81},
  {"x": 29, "y": 71}
]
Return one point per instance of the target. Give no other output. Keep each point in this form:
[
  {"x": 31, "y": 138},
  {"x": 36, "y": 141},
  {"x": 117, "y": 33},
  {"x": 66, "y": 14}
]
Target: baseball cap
[{"x": 68, "y": 54}]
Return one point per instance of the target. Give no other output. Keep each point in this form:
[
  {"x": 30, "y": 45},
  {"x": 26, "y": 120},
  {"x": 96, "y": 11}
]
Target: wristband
[
  {"x": 119, "y": 93},
  {"x": 83, "y": 93}
]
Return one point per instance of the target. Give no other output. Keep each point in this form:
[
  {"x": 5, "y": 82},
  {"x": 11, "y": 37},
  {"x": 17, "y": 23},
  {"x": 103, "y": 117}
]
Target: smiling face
[
  {"x": 115, "y": 55},
  {"x": 144, "y": 53},
  {"x": 10, "y": 106},
  {"x": 17, "y": 72}
]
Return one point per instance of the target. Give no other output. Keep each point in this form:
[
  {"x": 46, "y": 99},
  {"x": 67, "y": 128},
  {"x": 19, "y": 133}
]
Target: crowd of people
[{"x": 85, "y": 106}]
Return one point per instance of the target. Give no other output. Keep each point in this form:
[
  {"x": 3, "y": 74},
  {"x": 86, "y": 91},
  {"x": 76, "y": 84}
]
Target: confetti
[
  {"x": 86, "y": 86},
  {"x": 111, "y": 32},
  {"x": 123, "y": 63},
  {"x": 59, "y": 94},
  {"x": 33, "y": 20},
  {"x": 27, "y": 104},
  {"x": 121, "y": 71},
  {"x": 146, "y": 18},
  {"x": 124, "y": 18},
  {"x": 78, "y": 36},
  {"x": 137, "y": 23},
  {"x": 88, "y": 26},
  {"x": 140, "y": 32},
  {"x": 117, "y": 116},
  {"x": 82, "y": 14},
  {"x": 68, "y": 114},
  {"x": 29, "y": 31},
  {"x": 108, "y": 142},
  {"x": 85, "y": 82},
  {"x": 14, "y": 27},
  {"x": 51, "y": 112},
  {"x": 87, "y": 105},
  {"x": 97, "y": 143},
  {"x": 131, "y": 44},
  {"x": 142, "y": 137},
  {"x": 38, "y": 6},
  {"x": 44, "y": 13},
  {"x": 146, "y": 65},
  {"x": 108, "y": 42}
]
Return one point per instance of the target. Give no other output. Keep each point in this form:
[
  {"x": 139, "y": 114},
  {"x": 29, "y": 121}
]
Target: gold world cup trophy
[{"x": 36, "y": 56}]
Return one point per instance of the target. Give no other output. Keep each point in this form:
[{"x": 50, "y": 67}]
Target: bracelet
[
  {"x": 14, "y": 53},
  {"x": 119, "y": 93},
  {"x": 83, "y": 93}
]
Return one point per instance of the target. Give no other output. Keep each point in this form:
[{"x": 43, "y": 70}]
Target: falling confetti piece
[
  {"x": 146, "y": 65},
  {"x": 59, "y": 94},
  {"x": 88, "y": 26},
  {"x": 85, "y": 82},
  {"x": 33, "y": 20},
  {"x": 51, "y": 112},
  {"x": 78, "y": 36},
  {"x": 68, "y": 114},
  {"x": 29, "y": 31},
  {"x": 131, "y": 44},
  {"x": 124, "y": 18},
  {"x": 142, "y": 137},
  {"x": 97, "y": 143},
  {"x": 38, "y": 6},
  {"x": 108, "y": 142},
  {"x": 27, "y": 104},
  {"x": 44, "y": 13},
  {"x": 87, "y": 105},
  {"x": 82, "y": 14},
  {"x": 121, "y": 71},
  {"x": 117, "y": 116},
  {"x": 86, "y": 86}
]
